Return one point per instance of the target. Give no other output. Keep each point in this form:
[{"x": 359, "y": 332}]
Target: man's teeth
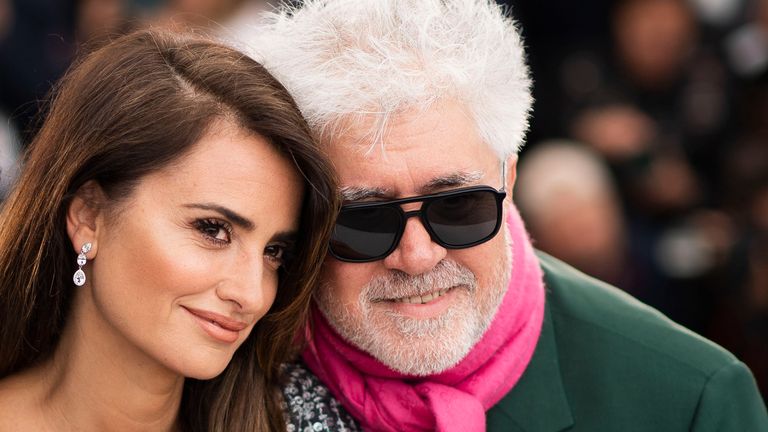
[{"x": 426, "y": 298}]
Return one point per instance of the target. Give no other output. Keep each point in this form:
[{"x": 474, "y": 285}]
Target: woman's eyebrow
[{"x": 231, "y": 215}]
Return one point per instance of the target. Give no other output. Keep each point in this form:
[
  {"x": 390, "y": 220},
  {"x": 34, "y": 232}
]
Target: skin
[
  {"x": 654, "y": 39},
  {"x": 422, "y": 152},
  {"x": 131, "y": 338}
]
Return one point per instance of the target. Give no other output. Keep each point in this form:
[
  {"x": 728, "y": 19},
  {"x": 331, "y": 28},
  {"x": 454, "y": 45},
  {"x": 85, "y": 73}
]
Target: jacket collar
[{"x": 538, "y": 401}]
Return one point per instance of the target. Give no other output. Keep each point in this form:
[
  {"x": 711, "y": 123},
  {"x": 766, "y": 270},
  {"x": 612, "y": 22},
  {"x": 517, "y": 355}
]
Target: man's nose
[
  {"x": 250, "y": 285},
  {"x": 416, "y": 253}
]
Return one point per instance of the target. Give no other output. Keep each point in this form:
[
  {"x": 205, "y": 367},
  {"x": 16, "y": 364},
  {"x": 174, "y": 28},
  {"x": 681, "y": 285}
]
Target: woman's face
[{"x": 186, "y": 265}]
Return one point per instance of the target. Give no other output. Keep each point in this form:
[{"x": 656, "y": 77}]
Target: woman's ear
[{"x": 85, "y": 217}]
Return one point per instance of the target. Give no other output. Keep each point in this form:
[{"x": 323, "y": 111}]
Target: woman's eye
[
  {"x": 275, "y": 255},
  {"x": 216, "y": 231}
]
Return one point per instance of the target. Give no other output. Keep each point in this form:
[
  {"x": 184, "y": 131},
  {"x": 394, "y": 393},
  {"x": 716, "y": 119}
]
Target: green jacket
[{"x": 606, "y": 362}]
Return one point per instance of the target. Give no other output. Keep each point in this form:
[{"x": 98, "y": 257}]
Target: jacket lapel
[{"x": 538, "y": 401}]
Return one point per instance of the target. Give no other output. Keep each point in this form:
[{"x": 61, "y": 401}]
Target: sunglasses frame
[{"x": 499, "y": 195}]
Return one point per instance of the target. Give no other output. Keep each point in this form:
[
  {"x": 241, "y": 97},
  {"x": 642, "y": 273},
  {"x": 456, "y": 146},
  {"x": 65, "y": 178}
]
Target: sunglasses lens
[
  {"x": 365, "y": 234},
  {"x": 464, "y": 219}
]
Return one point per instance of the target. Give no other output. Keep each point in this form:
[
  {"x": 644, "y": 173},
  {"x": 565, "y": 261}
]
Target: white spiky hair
[{"x": 347, "y": 59}]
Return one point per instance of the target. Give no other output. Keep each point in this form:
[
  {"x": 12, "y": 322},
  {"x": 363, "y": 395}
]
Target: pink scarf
[{"x": 454, "y": 400}]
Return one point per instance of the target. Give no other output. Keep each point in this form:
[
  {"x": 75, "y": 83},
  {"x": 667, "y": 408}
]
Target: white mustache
[{"x": 398, "y": 284}]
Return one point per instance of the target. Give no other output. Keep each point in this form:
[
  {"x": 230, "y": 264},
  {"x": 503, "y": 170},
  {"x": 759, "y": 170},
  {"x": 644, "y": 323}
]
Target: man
[{"x": 434, "y": 313}]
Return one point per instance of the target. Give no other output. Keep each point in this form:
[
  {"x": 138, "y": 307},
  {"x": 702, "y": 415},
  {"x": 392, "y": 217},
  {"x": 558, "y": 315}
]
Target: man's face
[{"x": 422, "y": 308}]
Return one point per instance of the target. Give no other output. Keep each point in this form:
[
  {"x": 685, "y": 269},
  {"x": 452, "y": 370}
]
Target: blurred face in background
[
  {"x": 204, "y": 13},
  {"x": 6, "y": 17},
  {"x": 762, "y": 14},
  {"x": 100, "y": 19},
  {"x": 654, "y": 39}
]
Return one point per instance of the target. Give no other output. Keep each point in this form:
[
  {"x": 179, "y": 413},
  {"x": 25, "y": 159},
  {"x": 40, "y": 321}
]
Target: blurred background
[{"x": 647, "y": 158}]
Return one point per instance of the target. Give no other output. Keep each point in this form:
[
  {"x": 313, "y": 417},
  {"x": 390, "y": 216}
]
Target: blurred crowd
[
  {"x": 647, "y": 157},
  {"x": 40, "y": 38},
  {"x": 647, "y": 160}
]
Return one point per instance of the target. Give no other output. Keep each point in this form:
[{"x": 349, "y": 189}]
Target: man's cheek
[
  {"x": 343, "y": 280},
  {"x": 334, "y": 283}
]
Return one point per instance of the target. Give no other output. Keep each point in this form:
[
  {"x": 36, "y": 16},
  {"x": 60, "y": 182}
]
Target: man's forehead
[
  {"x": 409, "y": 129},
  {"x": 431, "y": 183},
  {"x": 418, "y": 152}
]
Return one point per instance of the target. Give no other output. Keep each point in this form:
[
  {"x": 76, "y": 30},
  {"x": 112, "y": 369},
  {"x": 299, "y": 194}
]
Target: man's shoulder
[
  {"x": 309, "y": 405},
  {"x": 605, "y": 361},
  {"x": 588, "y": 311}
]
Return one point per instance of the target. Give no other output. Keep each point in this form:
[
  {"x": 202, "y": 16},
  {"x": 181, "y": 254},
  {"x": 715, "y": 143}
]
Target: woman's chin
[
  {"x": 202, "y": 368},
  {"x": 204, "y": 372}
]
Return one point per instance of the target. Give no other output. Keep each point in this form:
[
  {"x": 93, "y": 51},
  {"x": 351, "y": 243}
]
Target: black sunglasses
[{"x": 455, "y": 219}]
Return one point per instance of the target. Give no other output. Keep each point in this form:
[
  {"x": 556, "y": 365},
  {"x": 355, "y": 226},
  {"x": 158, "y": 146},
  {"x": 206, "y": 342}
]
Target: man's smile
[{"x": 421, "y": 299}]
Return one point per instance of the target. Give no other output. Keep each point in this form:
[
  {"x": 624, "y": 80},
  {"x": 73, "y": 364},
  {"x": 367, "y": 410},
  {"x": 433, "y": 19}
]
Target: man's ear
[
  {"x": 511, "y": 174},
  {"x": 85, "y": 217}
]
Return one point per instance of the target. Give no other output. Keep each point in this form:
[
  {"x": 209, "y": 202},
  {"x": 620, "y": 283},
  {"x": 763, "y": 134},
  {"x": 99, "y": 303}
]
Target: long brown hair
[{"x": 124, "y": 111}]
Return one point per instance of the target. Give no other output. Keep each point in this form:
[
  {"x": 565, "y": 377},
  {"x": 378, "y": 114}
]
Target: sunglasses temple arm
[{"x": 503, "y": 176}]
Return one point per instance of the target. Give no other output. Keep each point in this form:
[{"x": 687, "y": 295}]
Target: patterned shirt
[{"x": 309, "y": 406}]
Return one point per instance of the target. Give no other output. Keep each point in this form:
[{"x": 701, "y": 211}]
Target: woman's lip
[
  {"x": 217, "y": 326},
  {"x": 221, "y": 320}
]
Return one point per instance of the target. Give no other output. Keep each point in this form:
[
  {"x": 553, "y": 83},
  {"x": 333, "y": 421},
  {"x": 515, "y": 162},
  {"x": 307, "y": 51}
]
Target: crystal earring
[{"x": 79, "y": 277}]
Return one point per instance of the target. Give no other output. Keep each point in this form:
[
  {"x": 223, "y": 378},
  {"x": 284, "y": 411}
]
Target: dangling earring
[{"x": 79, "y": 277}]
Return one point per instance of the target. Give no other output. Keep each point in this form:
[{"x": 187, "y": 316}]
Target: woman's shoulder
[{"x": 309, "y": 405}]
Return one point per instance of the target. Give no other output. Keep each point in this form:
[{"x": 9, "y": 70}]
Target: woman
[{"x": 146, "y": 279}]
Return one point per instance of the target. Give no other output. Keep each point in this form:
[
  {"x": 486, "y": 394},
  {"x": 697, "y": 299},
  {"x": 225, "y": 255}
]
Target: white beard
[{"x": 419, "y": 346}]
